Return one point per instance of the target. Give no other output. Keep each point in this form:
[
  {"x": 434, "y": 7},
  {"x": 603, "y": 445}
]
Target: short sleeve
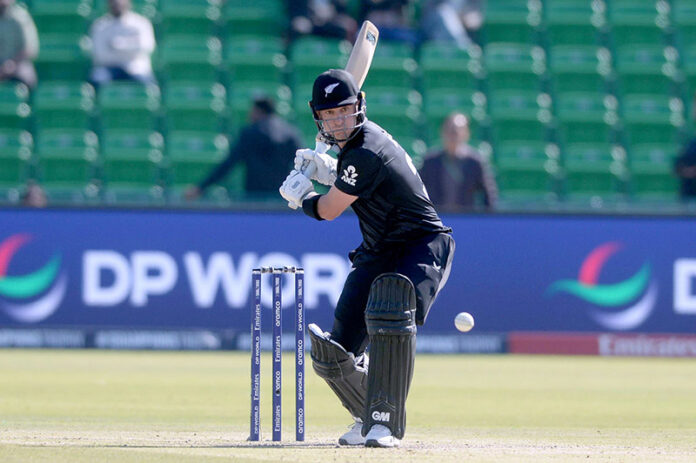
[{"x": 360, "y": 172}]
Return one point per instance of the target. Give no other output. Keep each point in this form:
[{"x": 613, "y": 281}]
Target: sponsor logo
[
  {"x": 330, "y": 88},
  {"x": 349, "y": 175},
  {"x": 380, "y": 416},
  {"x": 34, "y": 296},
  {"x": 620, "y": 306}
]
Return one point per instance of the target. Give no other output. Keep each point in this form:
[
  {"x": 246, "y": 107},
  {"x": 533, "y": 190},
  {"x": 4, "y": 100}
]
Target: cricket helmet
[{"x": 332, "y": 89}]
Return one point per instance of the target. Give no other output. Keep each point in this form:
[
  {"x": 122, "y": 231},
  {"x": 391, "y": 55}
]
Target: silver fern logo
[{"x": 349, "y": 175}]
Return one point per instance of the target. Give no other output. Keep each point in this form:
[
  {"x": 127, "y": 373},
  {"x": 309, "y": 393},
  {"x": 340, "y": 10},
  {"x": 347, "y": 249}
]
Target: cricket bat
[{"x": 358, "y": 66}]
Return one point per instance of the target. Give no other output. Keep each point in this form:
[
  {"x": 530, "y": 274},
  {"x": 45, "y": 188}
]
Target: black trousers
[{"x": 426, "y": 262}]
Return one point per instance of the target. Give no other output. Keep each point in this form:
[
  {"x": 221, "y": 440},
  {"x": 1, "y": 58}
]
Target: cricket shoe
[
  {"x": 381, "y": 436},
  {"x": 354, "y": 435}
]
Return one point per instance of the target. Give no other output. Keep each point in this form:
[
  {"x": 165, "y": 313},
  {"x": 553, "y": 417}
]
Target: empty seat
[
  {"x": 191, "y": 156},
  {"x": 574, "y": 22},
  {"x": 61, "y": 16},
  {"x": 519, "y": 115},
  {"x": 129, "y": 105},
  {"x": 310, "y": 56},
  {"x": 514, "y": 66},
  {"x": 63, "y": 105},
  {"x": 186, "y": 57},
  {"x": 652, "y": 118},
  {"x": 62, "y": 57},
  {"x": 264, "y": 18},
  {"x": 16, "y": 148},
  {"x": 189, "y": 17},
  {"x": 594, "y": 169},
  {"x": 637, "y": 22},
  {"x": 14, "y": 105},
  {"x": 585, "y": 117},
  {"x": 392, "y": 65},
  {"x": 579, "y": 68},
  {"x": 526, "y": 167},
  {"x": 652, "y": 171},
  {"x": 444, "y": 65},
  {"x": 195, "y": 106},
  {"x": 255, "y": 59},
  {"x": 511, "y": 21},
  {"x": 646, "y": 69},
  {"x": 396, "y": 109}
]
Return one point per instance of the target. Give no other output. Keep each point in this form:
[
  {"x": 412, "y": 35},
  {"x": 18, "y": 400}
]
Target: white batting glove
[
  {"x": 295, "y": 189},
  {"x": 317, "y": 166}
]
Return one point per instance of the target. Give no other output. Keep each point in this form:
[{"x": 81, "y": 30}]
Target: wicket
[{"x": 277, "y": 274}]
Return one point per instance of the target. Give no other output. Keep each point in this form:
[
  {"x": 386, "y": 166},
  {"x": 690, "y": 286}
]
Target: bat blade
[{"x": 363, "y": 51}]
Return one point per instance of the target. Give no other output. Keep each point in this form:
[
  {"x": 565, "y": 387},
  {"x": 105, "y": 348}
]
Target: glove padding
[
  {"x": 322, "y": 166},
  {"x": 295, "y": 189}
]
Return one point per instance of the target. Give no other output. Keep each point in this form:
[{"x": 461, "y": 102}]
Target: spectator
[
  {"x": 451, "y": 21},
  {"x": 685, "y": 168},
  {"x": 457, "y": 173},
  {"x": 391, "y": 18},
  {"x": 122, "y": 42},
  {"x": 19, "y": 44},
  {"x": 266, "y": 146},
  {"x": 326, "y": 18},
  {"x": 34, "y": 195}
]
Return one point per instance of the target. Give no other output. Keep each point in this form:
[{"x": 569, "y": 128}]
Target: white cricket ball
[{"x": 464, "y": 321}]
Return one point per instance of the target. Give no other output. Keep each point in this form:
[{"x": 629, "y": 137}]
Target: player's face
[{"x": 341, "y": 121}]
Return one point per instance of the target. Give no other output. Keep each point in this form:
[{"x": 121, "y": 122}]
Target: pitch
[{"x": 85, "y": 406}]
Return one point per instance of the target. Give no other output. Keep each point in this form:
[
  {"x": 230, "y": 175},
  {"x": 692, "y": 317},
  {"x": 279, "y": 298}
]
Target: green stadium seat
[
  {"x": 396, "y": 109},
  {"x": 594, "y": 169},
  {"x": 511, "y": 21},
  {"x": 129, "y": 105},
  {"x": 438, "y": 104},
  {"x": 519, "y": 115},
  {"x": 637, "y": 22},
  {"x": 392, "y": 65},
  {"x": 132, "y": 161},
  {"x": 646, "y": 69},
  {"x": 652, "y": 174},
  {"x": 652, "y": 118},
  {"x": 444, "y": 65},
  {"x": 303, "y": 114},
  {"x": 577, "y": 68},
  {"x": 514, "y": 66},
  {"x": 689, "y": 60},
  {"x": 195, "y": 106},
  {"x": 192, "y": 155},
  {"x": 66, "y": 167},
  {"x": 189, "y": 17},
  {"x": 16, "y": 148},
  {"x": 14, "y": 105},
  {"x": 63, "y": 57},
  {"x": 684, "y": 15},
  {"x": 310, "y": 56},
  {"x": 255, "y": 59},
  {"x": 61, "y": 16},
  {"x": 186, "y": 57},
  {"x": 585, "y": 117},
  {"x": 63, "y": 105},
  {"x": 526, "y": 168},
  {"x": 574, "y": 22},
  {"x": 265, "y": 18}
]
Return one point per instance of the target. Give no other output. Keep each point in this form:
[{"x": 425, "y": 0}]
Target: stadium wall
[{"x": 552, "y": 284}]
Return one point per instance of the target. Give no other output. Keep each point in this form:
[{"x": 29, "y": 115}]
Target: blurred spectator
[
  {"x": 122, "y": 42},
  {"x": 451, "y": 21},
  {"x": 391, "y": 18},
  {"x": 34, "y": 195},
  {"x": 266, "y": 146},
  {"x": 326, "y": 18},
  {"x": 456, "y": 174},
  {"x": 685, "y": 168},
  {"x": 19, "y": 44}
]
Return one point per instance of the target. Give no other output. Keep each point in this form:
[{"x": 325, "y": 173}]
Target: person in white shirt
[{"x": 122, "y": 43}]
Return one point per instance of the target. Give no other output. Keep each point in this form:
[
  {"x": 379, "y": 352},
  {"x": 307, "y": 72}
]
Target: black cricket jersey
[{"x": 393, "y": 205}]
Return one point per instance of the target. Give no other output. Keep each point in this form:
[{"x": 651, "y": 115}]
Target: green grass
[{"x": 89, "y": 405}]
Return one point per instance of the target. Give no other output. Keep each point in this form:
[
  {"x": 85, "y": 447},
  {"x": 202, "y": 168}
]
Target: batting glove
[{"x": 295, "y": 189}]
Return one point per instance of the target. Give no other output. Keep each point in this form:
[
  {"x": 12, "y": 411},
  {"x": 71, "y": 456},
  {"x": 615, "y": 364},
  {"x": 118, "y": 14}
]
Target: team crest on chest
[{"x": 349, "y": 175}]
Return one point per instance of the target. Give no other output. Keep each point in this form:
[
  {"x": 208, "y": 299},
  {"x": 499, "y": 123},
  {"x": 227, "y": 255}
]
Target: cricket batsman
[{"x": 397, "y": 271}]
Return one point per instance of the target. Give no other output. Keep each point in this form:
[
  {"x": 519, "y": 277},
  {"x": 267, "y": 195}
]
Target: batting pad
[
  {"x": 345, "y": 375},
  {"x": 390, "y": 317}
]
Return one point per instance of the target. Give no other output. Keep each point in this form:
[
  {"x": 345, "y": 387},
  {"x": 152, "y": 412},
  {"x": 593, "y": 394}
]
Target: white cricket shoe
[
  {"x": 381, "y": 436},
  {"x": 354, "y": 435}
]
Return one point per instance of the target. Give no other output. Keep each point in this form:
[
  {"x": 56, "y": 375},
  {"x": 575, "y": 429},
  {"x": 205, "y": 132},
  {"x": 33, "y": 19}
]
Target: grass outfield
[{"x": 90, "y": 405}]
